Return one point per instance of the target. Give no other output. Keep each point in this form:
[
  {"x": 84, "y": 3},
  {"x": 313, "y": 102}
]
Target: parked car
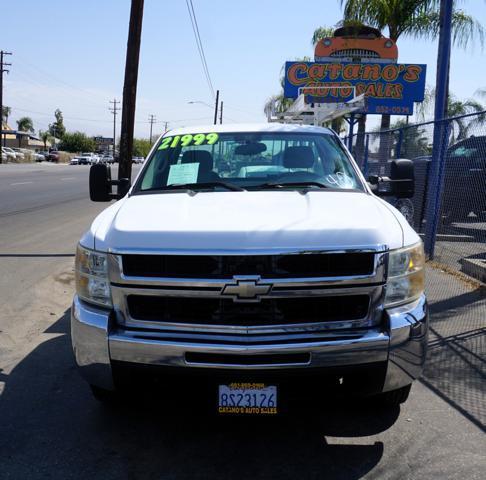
[
  {"x": 53, "y": 156},
  {"x": 44, "y": 154},
  {"x": 257, "y": 285},
  {"x": 38, "y": 157},
  {"x": 11, "y": 154},
  {"x": 107, "y": 159},
  {"x": 85, "y": 158},
  {"x": 19, "y": 154},
  {"x": 74, "y": 161},
  {"x": 138, "y": 159}
]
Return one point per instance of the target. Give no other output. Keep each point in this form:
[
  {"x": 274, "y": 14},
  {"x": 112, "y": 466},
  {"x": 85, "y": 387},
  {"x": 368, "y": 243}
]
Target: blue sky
[{"x": 71, "y": 55}]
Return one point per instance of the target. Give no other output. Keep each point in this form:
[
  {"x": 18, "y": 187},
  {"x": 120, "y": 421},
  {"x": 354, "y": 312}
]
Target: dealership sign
[{"x": 389, "y": 88}]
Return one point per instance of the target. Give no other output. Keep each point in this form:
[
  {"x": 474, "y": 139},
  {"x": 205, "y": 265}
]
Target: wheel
[
  {"x": 104, "y": 396},
  {"x": 394, "y": 398}
]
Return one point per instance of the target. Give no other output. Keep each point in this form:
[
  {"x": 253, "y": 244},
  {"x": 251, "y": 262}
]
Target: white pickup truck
[{"x": 258, "y": 258}]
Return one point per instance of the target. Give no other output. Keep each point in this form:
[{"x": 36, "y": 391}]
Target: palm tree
[
  {"x": 45, "y": 137},
  {"x": 460, "y": 127},
  {"x": 6, "y": 111},
  {"x": 320, "y": 33},
  {"x": 412, "y": 18},
  {"x": 25, "y": 124}
]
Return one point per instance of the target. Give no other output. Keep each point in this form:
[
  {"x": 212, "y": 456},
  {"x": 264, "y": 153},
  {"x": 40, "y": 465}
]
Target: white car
[
  {"x": 296, "y": 275},
  {"x": 20, "y": 155},
  {"x": 11, "y": 154},
  {"x": 74, "y": 161}
]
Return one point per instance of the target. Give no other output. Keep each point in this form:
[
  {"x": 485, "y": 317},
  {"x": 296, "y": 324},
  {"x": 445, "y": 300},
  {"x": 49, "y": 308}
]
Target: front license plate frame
[{"x": 247, "y": 398}]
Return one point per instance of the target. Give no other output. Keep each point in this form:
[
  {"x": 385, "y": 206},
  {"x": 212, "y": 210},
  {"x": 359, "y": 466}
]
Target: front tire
[
  {"x": 394, "y": 398},
  {"x": 106, "y": 397}
]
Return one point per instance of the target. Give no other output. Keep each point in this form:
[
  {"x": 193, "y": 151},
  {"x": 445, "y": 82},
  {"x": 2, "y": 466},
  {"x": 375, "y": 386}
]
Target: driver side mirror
[
  {"x": 100, "y": 184},
  {"x": 401, "y": 182}
]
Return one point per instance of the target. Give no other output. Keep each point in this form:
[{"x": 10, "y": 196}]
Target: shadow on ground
[
  {"x": 456, "y": 364},
  {"x": 50, "y": 426}
]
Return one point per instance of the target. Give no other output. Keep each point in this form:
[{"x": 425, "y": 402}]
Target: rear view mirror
[
  {"x": 400, "y": 183},
  {"x": 250, "y": 148},
  {"x": 100, "y": 184}
]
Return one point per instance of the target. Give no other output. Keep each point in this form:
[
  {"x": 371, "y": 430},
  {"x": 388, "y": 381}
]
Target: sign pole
[{"x": 441, "y": 129}]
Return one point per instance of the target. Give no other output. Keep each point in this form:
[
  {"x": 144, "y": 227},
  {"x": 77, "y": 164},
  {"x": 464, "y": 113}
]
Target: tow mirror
[
  {"x": 400, "y": 183},
  {"x": 100, "y": 184}
]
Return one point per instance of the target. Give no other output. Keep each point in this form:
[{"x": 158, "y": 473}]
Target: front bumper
[{"x": 401, "y": 344}]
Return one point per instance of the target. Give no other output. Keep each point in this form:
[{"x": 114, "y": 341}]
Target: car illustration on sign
[{"x": 351, "y": 44}]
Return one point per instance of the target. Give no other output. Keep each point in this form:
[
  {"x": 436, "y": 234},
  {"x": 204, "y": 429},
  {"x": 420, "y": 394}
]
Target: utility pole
[
  {"x": 114, "y": 111},
  {"x": 2, "y": 71},
  {"x": 130, "y": 89},
  {"x": 216, "y": 108},
  {"x": 166, "y": 126},
  {"x": 152, "y": 120},
  {"x": 221, "y": 113}
]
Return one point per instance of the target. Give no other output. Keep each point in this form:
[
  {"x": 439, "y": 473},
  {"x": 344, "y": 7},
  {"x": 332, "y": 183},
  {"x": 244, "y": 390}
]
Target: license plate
[{"x": 248, "y": 399}]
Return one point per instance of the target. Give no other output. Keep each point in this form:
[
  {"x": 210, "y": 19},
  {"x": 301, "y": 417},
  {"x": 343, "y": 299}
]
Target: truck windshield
[{"x": 250, "y": 161}]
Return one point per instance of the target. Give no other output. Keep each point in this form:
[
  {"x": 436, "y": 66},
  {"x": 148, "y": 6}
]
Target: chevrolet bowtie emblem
[{"x": 246, "y": 290}]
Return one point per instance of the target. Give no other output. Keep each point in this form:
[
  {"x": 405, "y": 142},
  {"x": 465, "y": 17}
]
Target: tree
[
  {"x": 412, "y": 18},
  {"x": 77, "y": 142},
  {"x": 57, "y": 129},
  {"x": 141, "y": 147},
  {"x": 6, "y": 111},
  {"x": 320, "y": 33},
  {"x": 460, "y": 127},
  {"x": 45, "y": 137},
  {"x": 25, "y": 124}
]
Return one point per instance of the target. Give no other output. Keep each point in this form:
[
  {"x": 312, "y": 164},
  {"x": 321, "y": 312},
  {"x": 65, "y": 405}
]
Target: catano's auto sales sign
[{"x": 390, "y": 88}]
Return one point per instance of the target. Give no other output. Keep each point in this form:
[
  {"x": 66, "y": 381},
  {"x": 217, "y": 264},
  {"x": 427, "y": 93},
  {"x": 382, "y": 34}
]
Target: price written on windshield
[{"x": 188, "y": 140}]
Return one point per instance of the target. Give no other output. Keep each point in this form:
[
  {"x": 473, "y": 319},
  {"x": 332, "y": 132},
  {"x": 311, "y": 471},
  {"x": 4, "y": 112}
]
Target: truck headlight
[
  {"x": 406, "y": 276},
  {"x": 92, "y": 282}
]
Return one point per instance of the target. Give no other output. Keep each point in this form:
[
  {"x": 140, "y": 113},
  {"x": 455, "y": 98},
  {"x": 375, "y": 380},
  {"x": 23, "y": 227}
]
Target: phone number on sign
[{"x": 396, "y": 110}]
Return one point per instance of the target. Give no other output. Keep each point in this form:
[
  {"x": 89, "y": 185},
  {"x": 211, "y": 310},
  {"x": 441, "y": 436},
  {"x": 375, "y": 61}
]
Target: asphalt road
[{"x": 51, "y": 427}]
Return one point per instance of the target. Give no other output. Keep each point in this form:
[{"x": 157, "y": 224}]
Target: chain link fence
[{"x": 450, "y": 189}]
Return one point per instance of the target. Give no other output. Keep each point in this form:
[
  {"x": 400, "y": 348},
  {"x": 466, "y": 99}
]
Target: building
[
  {"x": 18, "y": 139},
  {"x": 103, "y": 144}
]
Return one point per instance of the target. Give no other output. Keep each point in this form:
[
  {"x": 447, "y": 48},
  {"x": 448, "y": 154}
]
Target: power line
[
  {"x": 197, "y": 36},
  {"x": 114, "y": 110}
]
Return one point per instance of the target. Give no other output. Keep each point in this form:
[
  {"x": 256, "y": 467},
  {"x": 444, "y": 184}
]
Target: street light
[
  {"x": 207, "y": 105},
  {"x": 200, "y": 101}
]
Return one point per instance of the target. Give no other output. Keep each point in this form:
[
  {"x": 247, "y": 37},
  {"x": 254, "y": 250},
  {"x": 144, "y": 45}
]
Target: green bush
[
  {"x": 141, "y": 147},
  {"x": 77, "y": 142}
]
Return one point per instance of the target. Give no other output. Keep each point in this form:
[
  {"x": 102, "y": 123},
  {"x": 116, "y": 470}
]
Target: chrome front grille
[{"x": 153, "y": 295}]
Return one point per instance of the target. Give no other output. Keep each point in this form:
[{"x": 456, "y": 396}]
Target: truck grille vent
[
  {"x": 281, "y": 311},
  {"x": 270, "y": 266},
  {"x": 355, "y": 52}
]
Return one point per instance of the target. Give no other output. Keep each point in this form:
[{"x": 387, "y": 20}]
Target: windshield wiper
[
  {"x": 204, "y": 185},
  {"x": 191, "y": 188},
  {"x": 291, "y": 184}
]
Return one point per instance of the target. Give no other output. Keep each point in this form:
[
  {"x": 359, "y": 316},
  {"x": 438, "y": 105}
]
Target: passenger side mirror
[
  {"x": 100, "y": 184},
  {"x": 402, "y": 178},
  {"x": 400, "y": 183}
]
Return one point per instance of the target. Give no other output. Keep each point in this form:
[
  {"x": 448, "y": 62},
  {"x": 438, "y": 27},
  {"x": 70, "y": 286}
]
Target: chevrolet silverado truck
[{"x": 258, "y": 258}]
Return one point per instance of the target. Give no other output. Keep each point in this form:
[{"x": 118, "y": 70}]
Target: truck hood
[{"x": 235, "y": 221}]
